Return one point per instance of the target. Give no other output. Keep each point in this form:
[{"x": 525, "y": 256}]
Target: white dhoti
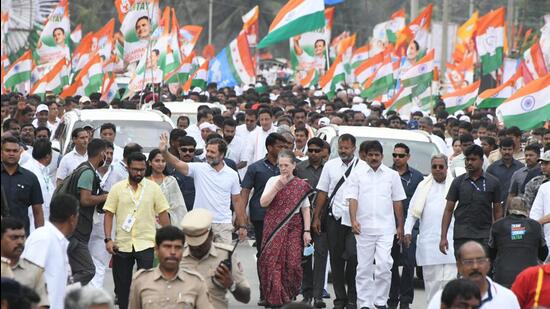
[
  {"x": 436, "y": 277},
  {"x": 373, "y": 291},
  {"x": 99, "y": 254}
]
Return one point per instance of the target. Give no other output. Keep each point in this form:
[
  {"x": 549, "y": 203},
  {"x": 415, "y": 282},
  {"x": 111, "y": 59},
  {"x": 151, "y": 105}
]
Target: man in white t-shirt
[
  {"x": 216, "y": 185},
  {"x": 256, "y": 140},
  {"x": 473, "y": 264},
  {"x": 73, "y": 159},
  {"x": 47, "y": 247}
]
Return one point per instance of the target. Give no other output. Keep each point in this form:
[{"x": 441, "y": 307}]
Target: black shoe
[
  {"x": 319, "y": 303},
  {"x": 392, "y": 306},
  {"x": 351, "y": 305},
  {"x": 306, "y": 300},
  {"x": 404, "y": 306}
]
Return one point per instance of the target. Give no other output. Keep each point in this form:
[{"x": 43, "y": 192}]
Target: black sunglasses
[
  {"x": 314, "y": 150},
  {"x": 400, "y": 155},
  {"x": 190, "y": 150},
  {"x": 438, "y": 167}
]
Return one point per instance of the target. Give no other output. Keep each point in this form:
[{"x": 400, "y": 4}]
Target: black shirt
[
  {"x": 22, "y": 190},
  {"x": 256, "y": 177},
  {"x": 504, "y": 174},
  {"x": 305, "y": 170},
  {"x": 474, "y": 213},
  {"x": 517, "y": 241}
]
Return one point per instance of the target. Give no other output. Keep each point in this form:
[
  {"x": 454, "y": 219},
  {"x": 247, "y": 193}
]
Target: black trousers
[
  {"x": 402, "y": 285},
  {"x": 123, "y": 266},
  {"x": 80, "y": 260},
  {"x": 259, "y": 234},
  {"x": 343, "y": 262},
  {"x": 315, "y": 268}
]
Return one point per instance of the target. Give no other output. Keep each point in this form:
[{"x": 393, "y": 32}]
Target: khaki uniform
[
  {"x": 6, "y": 269},
  {"x": 207, "y": 268},
  {"x": 150, "y": 290},
  {"x": 32, "y": 276}
]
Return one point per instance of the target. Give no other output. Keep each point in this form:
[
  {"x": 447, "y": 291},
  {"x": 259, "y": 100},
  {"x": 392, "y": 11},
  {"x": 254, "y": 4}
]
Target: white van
[
  {"x": 142, "y": 127},
  {"x": 422, "y": 148},
  {"x": 186, "y": 108}
]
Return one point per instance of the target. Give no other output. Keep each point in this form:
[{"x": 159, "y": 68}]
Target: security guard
[
  {"x": 205, "y": 256},
  {"x": 168, "y": 286}
]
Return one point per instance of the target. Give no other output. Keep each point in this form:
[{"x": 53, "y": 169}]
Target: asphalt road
[{"x": 246, "y": 254}]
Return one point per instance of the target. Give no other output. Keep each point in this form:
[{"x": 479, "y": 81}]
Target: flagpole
[{"x": 210, "y": 7}]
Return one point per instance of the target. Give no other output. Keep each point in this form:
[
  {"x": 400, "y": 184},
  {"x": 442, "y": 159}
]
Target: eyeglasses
[
  {"x": 471, "y": 262},
  {"x": 399, "y": 155},
  {"x": 314, "y": 150},
  {"x": 438, "y": 167},
  {"x": 138, "y": 170},
  {"x": 189, "y": 150}
]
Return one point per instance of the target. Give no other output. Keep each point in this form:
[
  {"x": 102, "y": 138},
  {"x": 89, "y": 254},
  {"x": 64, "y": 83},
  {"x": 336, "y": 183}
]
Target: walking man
[
  {"x": 136, "y": 202},
  {"x": 374, "y": 192}
]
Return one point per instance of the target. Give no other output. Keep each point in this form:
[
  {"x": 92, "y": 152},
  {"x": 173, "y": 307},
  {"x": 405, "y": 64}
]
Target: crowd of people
[{"x": 257, "y": 170}]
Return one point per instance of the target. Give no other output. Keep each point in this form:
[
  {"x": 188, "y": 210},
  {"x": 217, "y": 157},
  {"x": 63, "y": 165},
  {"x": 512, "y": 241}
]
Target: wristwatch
[
  {"x": 233, "y": 287},
  {"x": 106, "y": 240}
]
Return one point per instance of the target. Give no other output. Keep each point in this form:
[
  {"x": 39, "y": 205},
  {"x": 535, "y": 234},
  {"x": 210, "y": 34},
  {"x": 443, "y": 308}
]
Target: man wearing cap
[
  {"x": 84, "y": 102},
  {"x": 205, "y": 257},
  {"x": 532, "y": 187},
  {"x": 515, "y": 243},
  {"x": 168, "y": 286},
  {"x": 41, "y": 119}
]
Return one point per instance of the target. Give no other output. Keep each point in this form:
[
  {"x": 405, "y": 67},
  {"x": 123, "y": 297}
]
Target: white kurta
[
  {"x": 427, "y": 243},
  {"x": 47, "y": 187},
  {"x": 256, "y": 144}
]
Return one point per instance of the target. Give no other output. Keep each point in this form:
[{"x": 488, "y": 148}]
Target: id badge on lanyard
[{"x": 131, "y": 218}]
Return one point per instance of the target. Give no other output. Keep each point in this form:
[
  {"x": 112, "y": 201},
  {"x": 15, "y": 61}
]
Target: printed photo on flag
[
  {"x": 53, "y": 43},
  {"x": 139, "y": 23}
]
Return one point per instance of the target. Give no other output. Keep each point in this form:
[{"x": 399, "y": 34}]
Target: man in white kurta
[
  {"x": 541, "y": 208},
  {"x": 256, "y": 141},
  {"x": 374, "y": 192},
  {"x": 427, "y": 205}
]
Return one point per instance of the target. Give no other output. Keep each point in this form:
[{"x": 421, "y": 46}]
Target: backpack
[{"x": 69, "y": 185}]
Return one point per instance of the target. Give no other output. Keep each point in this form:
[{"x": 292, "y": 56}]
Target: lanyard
[
  {"x": 407, "y": 182},
  {"x": 138, "y": 202},
  {"x": 476, "y": 187}
]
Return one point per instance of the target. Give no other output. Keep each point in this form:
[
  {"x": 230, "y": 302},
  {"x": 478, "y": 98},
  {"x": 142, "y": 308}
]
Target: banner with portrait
[
  {"x": 54, "y": 38},
  {"x": 140, "y": 21},
  {"x": 309, "y": 50}
]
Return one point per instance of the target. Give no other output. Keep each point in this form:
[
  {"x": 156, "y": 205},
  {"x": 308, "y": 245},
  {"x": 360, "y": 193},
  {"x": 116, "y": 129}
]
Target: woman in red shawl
[{"x": 286, "y": 232}]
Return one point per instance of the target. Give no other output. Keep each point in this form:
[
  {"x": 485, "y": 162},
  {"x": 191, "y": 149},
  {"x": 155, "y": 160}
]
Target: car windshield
[
  {"x": 145, "y": 133},
  {"x": 421, "y": 152}
]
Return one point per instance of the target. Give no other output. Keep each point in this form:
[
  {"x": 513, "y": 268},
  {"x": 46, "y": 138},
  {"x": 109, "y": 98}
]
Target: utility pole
[
  {"x": 444, "y": 36},
  {"x": 471, "y": 8},
  {"x": 510, "y": 20},
  {"x": 210, "y": 6}
]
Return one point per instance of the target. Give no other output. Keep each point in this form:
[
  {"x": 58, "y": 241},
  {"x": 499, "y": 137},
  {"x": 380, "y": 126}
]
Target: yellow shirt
[{"x": 144, "y": 204}]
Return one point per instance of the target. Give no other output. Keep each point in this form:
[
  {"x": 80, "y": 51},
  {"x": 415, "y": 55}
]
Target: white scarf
[{"x": 423, "y": 189}]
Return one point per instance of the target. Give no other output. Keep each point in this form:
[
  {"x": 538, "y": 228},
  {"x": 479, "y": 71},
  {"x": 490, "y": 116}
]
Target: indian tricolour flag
[
  {"x": 311, "y": 79},
  {"x": 534, "y": 61},
  {"x": 529, "y": 107},
  {"x": 19, "y": 72},
  {"x": 109, "y": 89},
  {"x": 198, "y": 78},
  {"x": 493, "y": 97},
  {"x": 462, "y": 98},
  {"x": 88, "y": 80},
  {"x": 233, "y": 65},
  {"x": 368, "y": 67},
  {"x": 184, "y": 69},
  {"x": 400, "y": 100},
  {"x": 490, "y": 40},
  {"x": 359, "y": 55},
  {"x": 76, "y": 35},
  {"x": 420, "y": 75},
  {"x": 335, "y": 76},
  {"x": 54, "y": 80},
  {"x": 380, "y": 82},
  {"x": 296, "y": 17}
]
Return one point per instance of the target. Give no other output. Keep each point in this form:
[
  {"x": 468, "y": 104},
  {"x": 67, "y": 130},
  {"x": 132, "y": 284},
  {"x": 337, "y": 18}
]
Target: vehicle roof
[
  {"x": 410, "y": 135},
  {"x": 190, "y": 105},
  {"x": 116, "y": 114}
]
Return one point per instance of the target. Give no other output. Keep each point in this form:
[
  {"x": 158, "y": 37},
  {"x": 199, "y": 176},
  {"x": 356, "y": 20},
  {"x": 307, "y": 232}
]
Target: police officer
[
  {"x": 205, "y": 256},
  {"x": 168, "y": 286}
]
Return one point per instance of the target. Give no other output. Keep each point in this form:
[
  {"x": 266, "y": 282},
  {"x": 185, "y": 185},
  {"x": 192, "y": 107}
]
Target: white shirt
[
  {"x": 256, "y": 144},
  {"x": 47, "y": 186},
  {"x": 109, "y": 178},
  {"x": 440, "y": 143},
  {"x": 332, "y": 171},
  {"x": 213, "y": 189},
  {"x": 69, "y": 163},
  {"x": 375, "y": 192},
  {"x": 194, "y": 131},
  {"x": 243, "y": 132},
  {"x": 236, "y": 150},
  {"x": 498, "y": 298},
  {"x": 541, "y": 207},
  {"x": 119, "y": 173},
  {"x": 47, "y": 248},
  {"x": 427, "y": 243},
  {"x": 118, "y": 153},
  {"x": 271, "y": 183}
]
